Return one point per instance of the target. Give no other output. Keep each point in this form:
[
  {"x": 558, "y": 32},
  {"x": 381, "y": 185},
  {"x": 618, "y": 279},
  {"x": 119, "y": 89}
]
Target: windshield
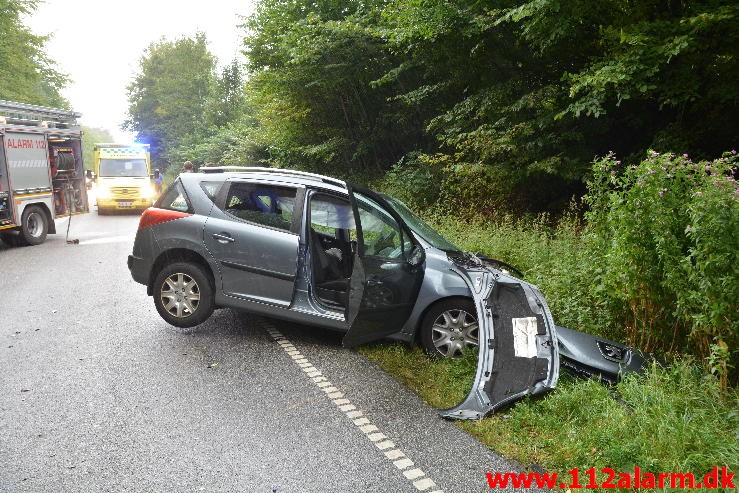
[
  {"x": 420, "y": 227},
  {"x": 123, "y": 167}
]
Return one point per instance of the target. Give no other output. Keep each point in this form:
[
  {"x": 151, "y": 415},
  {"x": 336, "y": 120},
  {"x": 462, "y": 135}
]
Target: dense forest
[{"x": 496, "y": 103}]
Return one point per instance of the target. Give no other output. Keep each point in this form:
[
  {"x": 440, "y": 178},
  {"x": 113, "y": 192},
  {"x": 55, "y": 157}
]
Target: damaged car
[{"x": 319, "y": 251}]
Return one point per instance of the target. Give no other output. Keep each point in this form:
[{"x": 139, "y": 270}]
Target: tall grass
[
  {"x": 553, "y": 254},
  {"x": 672, "y": 419}
]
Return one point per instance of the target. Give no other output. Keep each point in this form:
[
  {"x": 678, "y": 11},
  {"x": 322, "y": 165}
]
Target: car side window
[
  {"x": 211, "y": 188},
  {"x": 268, "y": 205},
  {"x": 174, "y": 199}
]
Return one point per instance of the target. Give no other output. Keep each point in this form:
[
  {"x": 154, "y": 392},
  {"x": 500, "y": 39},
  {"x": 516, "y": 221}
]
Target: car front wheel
[
  {"x": 183, "y": 294},
  {"x": 450, "y": 329}
]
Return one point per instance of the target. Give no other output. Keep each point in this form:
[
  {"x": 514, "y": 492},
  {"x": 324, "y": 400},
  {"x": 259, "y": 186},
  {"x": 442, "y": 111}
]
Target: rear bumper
[{"x": 139, "y": 268}]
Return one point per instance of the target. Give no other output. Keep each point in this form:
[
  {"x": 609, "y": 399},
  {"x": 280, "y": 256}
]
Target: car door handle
[{"x": 223, "y": 238}]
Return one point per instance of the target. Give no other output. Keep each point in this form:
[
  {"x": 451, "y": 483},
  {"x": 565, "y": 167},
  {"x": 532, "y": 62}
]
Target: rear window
[{"x": 174, "y": 199}]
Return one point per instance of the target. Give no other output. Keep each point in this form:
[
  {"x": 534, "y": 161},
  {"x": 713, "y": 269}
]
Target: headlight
[
  {"x": 147, "y": 192},
  {"x": 103, "y": 192}
]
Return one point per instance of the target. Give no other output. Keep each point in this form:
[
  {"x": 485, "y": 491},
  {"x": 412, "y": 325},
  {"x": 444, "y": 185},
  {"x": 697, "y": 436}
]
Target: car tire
[
  {"x": 183, "y": 294},
  {"x": 450, "y": 329},
  {"x": 34, "y": 226}
]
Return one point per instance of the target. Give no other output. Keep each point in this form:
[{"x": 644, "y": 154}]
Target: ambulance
[{"x": 123, "y": 177}]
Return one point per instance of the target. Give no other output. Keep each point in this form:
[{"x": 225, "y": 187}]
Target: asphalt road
[{"x": 98, "y": 393}]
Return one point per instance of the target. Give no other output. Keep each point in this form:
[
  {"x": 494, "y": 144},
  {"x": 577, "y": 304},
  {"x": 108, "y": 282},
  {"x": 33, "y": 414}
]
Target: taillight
[{"x": 153, "y": 216}]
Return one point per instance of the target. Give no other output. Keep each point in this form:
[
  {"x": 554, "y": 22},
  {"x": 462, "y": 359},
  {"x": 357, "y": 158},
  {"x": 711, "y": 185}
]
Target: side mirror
[{"x": 416, "y": 256}]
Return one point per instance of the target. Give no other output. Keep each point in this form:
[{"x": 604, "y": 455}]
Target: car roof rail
[{"x": 277, "y": 171}]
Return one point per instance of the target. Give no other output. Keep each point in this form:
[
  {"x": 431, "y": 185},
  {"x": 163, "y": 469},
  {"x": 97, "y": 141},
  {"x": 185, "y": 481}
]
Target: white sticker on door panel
[{"x": 524, "y": 337}]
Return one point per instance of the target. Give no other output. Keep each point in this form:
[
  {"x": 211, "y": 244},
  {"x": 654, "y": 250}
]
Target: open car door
[
  {"x": 518, "y": 352},
  {"x": 387, "y": 272}
]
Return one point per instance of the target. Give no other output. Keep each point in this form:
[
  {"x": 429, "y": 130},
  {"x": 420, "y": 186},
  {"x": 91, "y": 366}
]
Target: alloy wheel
[
  {"x": 454, "y": 332},
  {"x": 180, "y": 295}
]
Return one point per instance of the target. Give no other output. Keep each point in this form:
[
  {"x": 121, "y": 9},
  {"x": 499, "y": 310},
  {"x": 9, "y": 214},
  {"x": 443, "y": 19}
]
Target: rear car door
[
  {"x": 253, "y": 237},
  {"x": 387, "y": 273}
]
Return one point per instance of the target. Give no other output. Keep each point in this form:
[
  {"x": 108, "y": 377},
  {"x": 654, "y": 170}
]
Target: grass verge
[{"x": 667, "y": 420}]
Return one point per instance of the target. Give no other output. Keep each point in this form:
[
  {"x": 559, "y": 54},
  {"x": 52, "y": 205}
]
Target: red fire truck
[{"x": 42, "y": 177}]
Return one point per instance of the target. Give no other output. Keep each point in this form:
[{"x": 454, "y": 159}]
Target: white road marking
[
  {"x": 418, "y": 477},
  {"x": 394, "y": 454},
  {"x": 376, "y": 437},
  {"x": 368, "y": 428},
  {"x": 385, "y": 445},
  {"x": 403, "y": 463},
  {"x": 424, "y": 484},
  {"x": 414, "y": 473}
]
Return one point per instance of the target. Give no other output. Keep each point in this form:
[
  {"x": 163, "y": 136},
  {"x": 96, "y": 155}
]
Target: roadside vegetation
[
  {"x": 654, "y": 228},
  {"x": 671, "y": 419},
  {"x": 28, "y": 75}
]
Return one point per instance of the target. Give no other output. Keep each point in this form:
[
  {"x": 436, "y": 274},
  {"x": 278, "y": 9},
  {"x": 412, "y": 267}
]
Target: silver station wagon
[{"x": 322, "y": 252}]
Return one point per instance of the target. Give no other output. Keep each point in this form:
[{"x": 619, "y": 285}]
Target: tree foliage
[
  {"x": 169, "y": 96},
  {"x": 521, "y": 95},
  {"x": 312, "y": 72},
  {"x": 27, "y": 75},
  {"x": 90, "y": 137}
]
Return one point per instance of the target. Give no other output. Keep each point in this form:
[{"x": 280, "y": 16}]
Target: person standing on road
[
  {"x": 158, "y": 180},
  {"x": 187, "y": 167}
]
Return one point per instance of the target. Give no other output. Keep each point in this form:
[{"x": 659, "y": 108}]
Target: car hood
[{"x": 518, "y": 348}]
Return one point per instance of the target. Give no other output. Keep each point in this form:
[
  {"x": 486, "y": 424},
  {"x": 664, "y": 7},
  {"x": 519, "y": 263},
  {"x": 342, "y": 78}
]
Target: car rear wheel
[
  {"x": 183, "y": 294},
  {"x": 450, "y": 329}
]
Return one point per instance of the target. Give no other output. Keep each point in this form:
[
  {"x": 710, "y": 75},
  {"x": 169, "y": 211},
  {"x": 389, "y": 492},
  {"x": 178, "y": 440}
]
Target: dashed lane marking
[{"x": 415, "y": 475}]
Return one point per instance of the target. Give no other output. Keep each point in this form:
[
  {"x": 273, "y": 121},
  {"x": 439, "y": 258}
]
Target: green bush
[
  {"x": 417, "y": 182},
  {"x": 666, "y": 232}
]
